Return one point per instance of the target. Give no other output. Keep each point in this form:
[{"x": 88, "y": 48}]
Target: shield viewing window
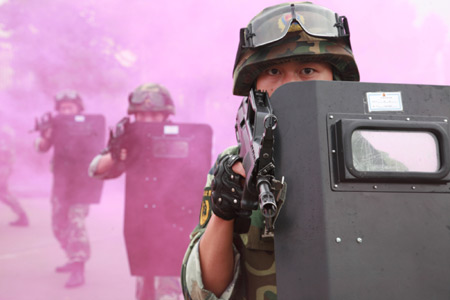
[
  {"x": 395, "y": 151},
  {"x": 170, "y": 147},
  {"x": 391, "y": 150}
]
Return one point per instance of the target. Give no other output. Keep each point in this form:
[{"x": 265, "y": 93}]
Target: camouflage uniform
[
  {"x": 6, "y": 161},
  {"x": 68, "y": 219},
  {"x": 75, "y": 138},
  {"x": 68, "y": 225},
  {"x": 148, "y": 97},
  {"x": 254, "y": 256},
  {"x": 254, "y": 276},
  {"x": 254, "y": 270}
]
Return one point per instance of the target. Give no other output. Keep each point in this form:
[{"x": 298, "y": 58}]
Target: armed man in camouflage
[
  {"x": 284, "y": 43},
  {"x": 148, "y": 103},
  {"x": 6, "y": 163},
  {"x": 68, "y": 219}
]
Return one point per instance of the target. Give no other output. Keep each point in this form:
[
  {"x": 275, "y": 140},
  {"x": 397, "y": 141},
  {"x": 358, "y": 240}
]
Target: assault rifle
[
  {"x": 117, "y": 138},
  {"x": 255, "y": 126},
  {"x": 43, "y": 124}
]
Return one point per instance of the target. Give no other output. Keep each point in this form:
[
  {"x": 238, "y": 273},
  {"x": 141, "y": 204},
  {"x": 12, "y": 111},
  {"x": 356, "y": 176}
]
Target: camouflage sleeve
[
  {"x": 37, "y": 143},
  {"x": 117, "y": 169},
  {"x": 191, "y": 276}
]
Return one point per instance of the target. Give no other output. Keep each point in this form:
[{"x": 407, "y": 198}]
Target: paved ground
[{"x": 29, "y": 255}]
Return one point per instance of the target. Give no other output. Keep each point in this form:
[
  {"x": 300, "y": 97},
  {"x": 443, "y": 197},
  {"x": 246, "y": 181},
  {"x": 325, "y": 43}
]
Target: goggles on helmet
[
  {"x": 273, "y": 24},
  {"x": 140, "y": 97},
  {"x": 71, "y": 95}
]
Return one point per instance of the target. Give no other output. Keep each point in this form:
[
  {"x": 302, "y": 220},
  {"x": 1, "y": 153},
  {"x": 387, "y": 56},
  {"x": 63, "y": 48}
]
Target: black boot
[
  {"x": 76, "y": 276},
  {"x": 68, "y": 267},
  {"x": 22, "y": 221}
]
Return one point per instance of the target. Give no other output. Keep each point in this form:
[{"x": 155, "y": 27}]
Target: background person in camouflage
[
  {"x": 6, "y": 164},
  {"x": 68, "y": 219},
  {"x": 148, "y": 109},
  {"x": 148, "y": 103},
  {"x": 284, "y": 43}
]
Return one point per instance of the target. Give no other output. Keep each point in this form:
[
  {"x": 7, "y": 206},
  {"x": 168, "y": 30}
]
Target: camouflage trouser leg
[
  {"x": 168, "y": 288},
  {"x": 69, "y": 229},
  {"x": 145, "y": 288},
  {"x": 11, "y": 201},
  {"x": 158, "y": 288}
]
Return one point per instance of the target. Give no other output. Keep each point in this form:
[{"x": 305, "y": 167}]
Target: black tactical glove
[
  {"x": 117, "y": 139},
  {"x": 115, "y": 146},
  {"x": 226, "y": 189},
  {"x": 44, "y": 126}
]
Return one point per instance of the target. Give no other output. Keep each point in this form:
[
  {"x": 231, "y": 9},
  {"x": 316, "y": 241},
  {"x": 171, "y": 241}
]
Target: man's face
[
  {"x": 68, "y": 108},
  {"x": 277, "y": 75},
  {"x": 150, "y": 116}
]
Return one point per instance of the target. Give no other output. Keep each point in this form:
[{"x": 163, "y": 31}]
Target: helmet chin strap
[{"x": 336, "y": 76}]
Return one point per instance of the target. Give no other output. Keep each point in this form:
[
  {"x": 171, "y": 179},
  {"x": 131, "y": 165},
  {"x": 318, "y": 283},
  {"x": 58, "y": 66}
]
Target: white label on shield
[
  {"x": 171, "y": 129},
  {"x": 385, "y": 101},
  {"x": 80, "y": 118}
]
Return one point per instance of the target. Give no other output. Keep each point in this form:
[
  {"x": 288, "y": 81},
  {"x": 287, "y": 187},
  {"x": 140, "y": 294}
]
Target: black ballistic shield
[
  {"x": 367, "y": 211},
  {"x": 164, "y": 179},
  {"x": 76, "y": 141}
]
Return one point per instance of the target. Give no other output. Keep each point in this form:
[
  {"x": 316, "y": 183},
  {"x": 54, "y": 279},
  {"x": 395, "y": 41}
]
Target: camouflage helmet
[
  {"x": 293, "y": 31},
  {"x": 69, "y": 96},
  {"x": 150, "y": 97}
]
